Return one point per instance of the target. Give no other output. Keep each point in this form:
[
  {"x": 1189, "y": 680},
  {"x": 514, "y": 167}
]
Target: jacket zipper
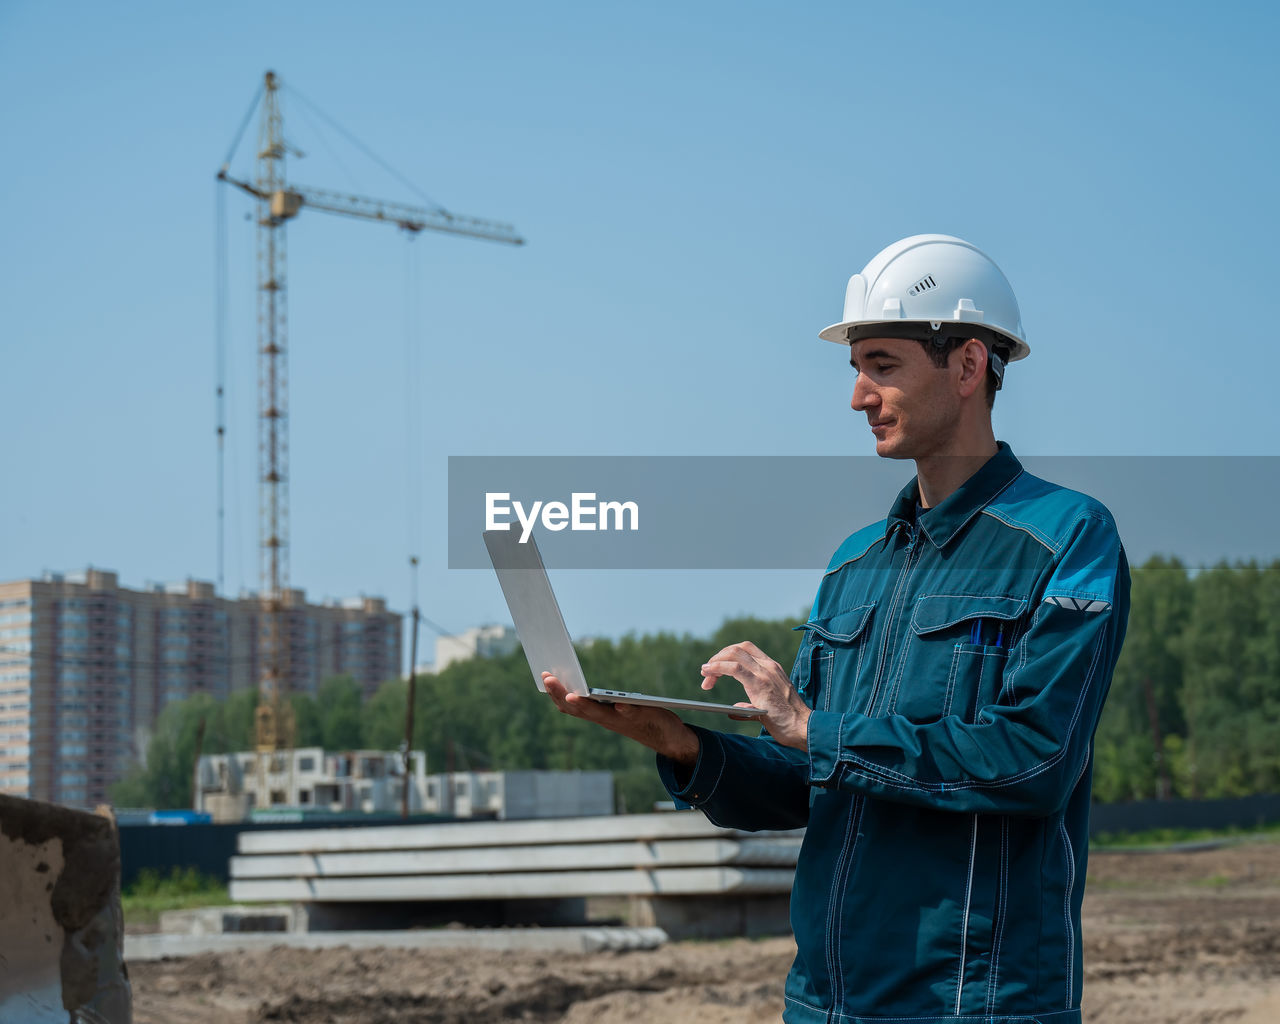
[
  {"x": 840, "y": 882},
  {"x": 912, "y": 536},
  {"x": 838, "y": 888}
]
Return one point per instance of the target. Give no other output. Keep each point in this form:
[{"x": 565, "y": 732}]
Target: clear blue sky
[{"x": 696, "y": 182}]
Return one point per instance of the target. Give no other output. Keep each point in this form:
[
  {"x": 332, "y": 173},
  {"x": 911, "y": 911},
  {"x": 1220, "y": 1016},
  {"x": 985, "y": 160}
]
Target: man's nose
[{"x": 864, "y": 395}]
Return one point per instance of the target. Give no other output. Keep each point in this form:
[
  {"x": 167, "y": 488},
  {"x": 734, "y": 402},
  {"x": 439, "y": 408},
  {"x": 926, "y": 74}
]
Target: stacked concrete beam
[{"x": 653, "y": 858}]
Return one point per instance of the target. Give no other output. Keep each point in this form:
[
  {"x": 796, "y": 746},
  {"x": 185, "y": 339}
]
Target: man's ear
[{"x": 973, "y": 359}]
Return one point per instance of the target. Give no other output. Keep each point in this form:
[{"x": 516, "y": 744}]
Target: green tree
[
  {"x": 382, "y": 717},
  {"x": 1221, "y": 675},
  {"x": 166, "y": 780},
  {"x": 307, "y": 728},
  {"x": 1149, "y": 672},
  {"x": 1260, "y": 687},
  {"x": 339, "y": 713}
]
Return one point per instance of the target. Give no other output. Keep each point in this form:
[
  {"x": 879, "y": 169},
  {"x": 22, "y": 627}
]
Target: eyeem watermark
[{"x": 582, "y": 512}]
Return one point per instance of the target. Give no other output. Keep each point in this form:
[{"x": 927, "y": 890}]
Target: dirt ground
[{"x": 1170, "y": 938}]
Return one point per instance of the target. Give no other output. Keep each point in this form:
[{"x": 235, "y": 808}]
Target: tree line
[{"x": 1194, "y": 709}]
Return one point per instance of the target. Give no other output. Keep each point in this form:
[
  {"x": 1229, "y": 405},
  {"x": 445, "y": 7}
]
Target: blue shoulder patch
[
  {"x": 1080, "y": 532},
  {"x": 1046, "y": 511},
  {"x": 857, "y": 544}
]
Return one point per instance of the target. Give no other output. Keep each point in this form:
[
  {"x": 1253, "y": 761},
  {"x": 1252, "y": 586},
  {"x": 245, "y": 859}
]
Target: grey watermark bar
[{"x": 791, "y": 512}]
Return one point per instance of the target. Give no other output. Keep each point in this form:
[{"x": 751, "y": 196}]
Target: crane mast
[
  {"x": 277, "y": 203},
  {"x": 274, "y": 720}
]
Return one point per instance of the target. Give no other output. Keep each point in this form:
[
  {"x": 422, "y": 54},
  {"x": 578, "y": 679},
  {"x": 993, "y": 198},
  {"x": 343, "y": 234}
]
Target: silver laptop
[{"x": 541, "y": 629}]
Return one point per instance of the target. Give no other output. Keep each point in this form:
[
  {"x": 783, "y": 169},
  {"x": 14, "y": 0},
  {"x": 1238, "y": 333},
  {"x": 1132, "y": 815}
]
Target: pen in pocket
[{"x": 979, "y": 628}]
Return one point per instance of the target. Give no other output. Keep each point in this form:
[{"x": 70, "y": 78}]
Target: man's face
[{"x": 911, "y": 405}]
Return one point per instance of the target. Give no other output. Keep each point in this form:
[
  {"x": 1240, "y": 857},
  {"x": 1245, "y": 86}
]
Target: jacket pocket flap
[
  {"x": 941, "y": 611},
  {"x": 843, "y": 627}
]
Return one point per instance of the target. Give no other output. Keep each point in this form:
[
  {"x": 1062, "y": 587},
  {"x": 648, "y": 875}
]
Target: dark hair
[{"x": 939, "y": 348}]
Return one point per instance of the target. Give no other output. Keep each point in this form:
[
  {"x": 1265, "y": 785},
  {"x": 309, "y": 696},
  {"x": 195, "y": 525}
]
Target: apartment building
[
  {"x": 86, "y": 666},
  {"x": 477, "y": 642}
]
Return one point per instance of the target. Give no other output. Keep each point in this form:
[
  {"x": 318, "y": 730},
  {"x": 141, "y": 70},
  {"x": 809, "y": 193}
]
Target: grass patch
[
  {"x": 1169, "y": 836},
  {"x": 1213, "y": 881},
  {"x": 181, "y": 889}
]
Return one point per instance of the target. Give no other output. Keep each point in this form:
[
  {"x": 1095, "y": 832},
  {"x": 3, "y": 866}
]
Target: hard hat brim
[{"x": 839, "y": 333}]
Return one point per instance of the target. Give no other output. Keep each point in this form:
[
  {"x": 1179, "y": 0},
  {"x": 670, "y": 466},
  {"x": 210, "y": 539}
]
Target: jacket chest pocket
[
  {"x": 956, "y": 651},
  {"x": 830, "y": 659}
]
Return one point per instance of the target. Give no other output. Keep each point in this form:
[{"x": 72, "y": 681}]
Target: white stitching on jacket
[
  {"x": 968, "y": 896},
  {"x": 878, "y": 773}
]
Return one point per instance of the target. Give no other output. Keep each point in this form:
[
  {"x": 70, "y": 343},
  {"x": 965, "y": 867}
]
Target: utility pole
[{"x": 413, "y": 681}]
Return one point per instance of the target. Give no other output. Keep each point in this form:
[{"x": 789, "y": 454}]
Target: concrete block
[
  {"x": 226, "y": 920},
  {"x": 714, "y": 917},
  {"x": 60, "y": 920},
  {"x": 381, "y": 916},
  {"x": 544, "y": 940}
]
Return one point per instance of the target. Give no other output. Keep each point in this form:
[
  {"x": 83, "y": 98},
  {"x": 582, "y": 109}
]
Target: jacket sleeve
[
  {"x": 1025, "y": 754},
  {"x": 751, "y": 783},
  {"x": 743, "y": 782}
]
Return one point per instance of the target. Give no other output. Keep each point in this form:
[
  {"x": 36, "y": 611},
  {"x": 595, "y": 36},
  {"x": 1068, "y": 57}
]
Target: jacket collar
[{"x": 942, "y": 522}]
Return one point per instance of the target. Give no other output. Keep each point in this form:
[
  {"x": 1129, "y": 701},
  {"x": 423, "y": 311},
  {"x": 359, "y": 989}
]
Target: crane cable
[
  {"x": 414, "y": 401},
  {"x": 248, "y": 116},
  {"x": 413, "y": 396},
  {"x": 220, "y": 367},
  {"x": 370, "y": 153},
  {"x": 221, "y": 292}
]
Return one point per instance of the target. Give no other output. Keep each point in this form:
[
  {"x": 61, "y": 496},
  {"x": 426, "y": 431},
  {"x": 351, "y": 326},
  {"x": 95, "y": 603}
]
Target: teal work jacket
[{"x": 956, "y": 664}]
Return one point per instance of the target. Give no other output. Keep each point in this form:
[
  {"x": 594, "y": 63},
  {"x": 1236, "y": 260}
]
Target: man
[{"x": 935, "y": 733}]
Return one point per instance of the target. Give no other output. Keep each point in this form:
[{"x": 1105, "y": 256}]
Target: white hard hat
[{"x": 926, "y": 284}]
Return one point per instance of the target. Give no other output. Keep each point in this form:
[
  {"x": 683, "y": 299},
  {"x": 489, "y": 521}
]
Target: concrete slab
[
  {"x": 766, "y": 852},
  {"x": 516, "y": 885},
  {"x": 547, "y": 940},
  {"x": 459, "y": 835}
]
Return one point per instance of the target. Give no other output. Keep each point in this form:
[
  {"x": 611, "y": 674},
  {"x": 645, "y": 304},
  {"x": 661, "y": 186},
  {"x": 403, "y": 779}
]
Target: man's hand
[
  {"x": 768, "y": 687},
  {"x": 656, "y": 728}
]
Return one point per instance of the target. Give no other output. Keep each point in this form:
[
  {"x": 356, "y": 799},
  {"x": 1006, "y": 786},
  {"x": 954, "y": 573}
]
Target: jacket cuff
[
  {"x": 824, "y": 747},
  {"x": 693, "y": 788}
]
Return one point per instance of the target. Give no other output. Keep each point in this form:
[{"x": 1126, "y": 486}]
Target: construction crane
[{"x": 278, "y": 203}]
